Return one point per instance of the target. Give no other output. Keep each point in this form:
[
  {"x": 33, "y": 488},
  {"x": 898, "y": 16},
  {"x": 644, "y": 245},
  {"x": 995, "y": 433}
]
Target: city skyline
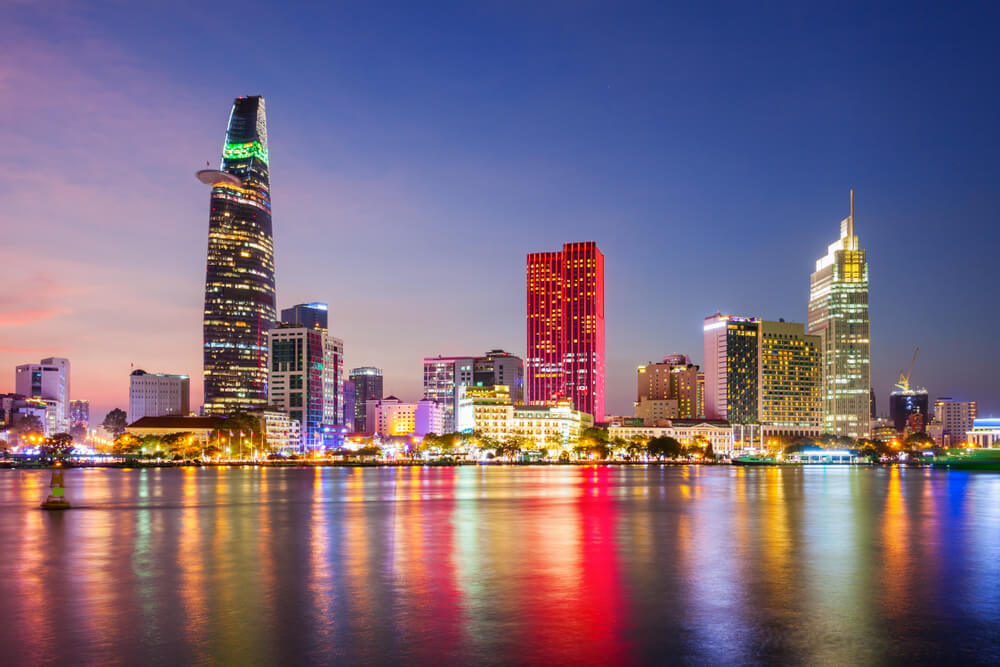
[{"x": 141, "y": 301}]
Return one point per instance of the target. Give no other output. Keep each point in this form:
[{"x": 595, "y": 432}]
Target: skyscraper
[
  {"x": 566, "y": 327},
  {"x": 312, "y": 315},
  {"x": 367, "y": 387},
  {"x": 731, "y": 368},
  {"x": 239, "y": 278},
  {"x": 838, "y": 311}
]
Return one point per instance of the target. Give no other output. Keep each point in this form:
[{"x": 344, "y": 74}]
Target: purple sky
[{"x": 417, "y": 156}]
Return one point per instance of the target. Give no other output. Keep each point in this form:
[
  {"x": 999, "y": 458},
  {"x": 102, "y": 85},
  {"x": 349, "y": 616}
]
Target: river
[{"x": 499, "y": 565}]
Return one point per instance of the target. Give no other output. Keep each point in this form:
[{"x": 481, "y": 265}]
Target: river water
[{"x": 499, "y": 565}]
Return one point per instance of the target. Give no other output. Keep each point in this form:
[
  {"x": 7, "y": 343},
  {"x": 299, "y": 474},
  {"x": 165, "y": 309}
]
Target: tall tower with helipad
[{"x": 239, "y": 275}]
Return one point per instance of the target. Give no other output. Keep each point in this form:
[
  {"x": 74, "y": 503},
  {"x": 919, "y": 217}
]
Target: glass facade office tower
[
  {"x": 239, "y": 279},
  {"x": 731, "y": 376},
  {"x": 566, "y": 328},
  {"x": 838, "y": 311},
  {"x": 367, "y": 387},
  {"x": 312, "y": 315}
]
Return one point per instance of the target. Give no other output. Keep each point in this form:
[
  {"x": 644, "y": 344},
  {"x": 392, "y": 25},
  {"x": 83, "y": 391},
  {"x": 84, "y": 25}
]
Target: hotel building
[
  {"x": 491, "y": 412},
  {"x": 789, "y": 380},
  {"x": 731, "y": 368},
  {"x": 565, "y": 318},
  {"x": 444, "y": 380},
  {"x": 957, "y": 419}
]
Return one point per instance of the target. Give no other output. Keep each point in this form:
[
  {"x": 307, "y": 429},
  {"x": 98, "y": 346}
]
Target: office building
[
  {"x": 790, "y": 380},
  {"x": 499, "y": 367},
  {"x": 306, "y": 379},
  {"x": 157, "y": 395},
  {"x": 731, "y": 376},
  {"x": 281, "y": 432},
  {"x": 47, "y": 380},
  {"x": 239, "y": 278},
  {"x": 565, "y": 317},
  {"x": 957, "y": 419},
  {"x": 444, "y": 380},
  {"x": 311, "y": 315},
  {"x": 367, "y": 387},
  {"x": 838, "y": 311}
]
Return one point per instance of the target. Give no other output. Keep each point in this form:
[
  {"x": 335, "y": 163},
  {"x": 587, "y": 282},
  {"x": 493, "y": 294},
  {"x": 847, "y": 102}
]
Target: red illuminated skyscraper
[{"x": 566, "y": 327}]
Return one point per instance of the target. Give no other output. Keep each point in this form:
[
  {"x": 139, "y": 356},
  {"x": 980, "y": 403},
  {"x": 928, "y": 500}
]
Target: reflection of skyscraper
[
  {"x": 566, "y": 328},
  {"x": 838, "y": 311},
  {"x": 239, "y": 280}
]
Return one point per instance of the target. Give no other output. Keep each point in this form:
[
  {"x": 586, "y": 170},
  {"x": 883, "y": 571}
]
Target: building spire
[{"x": 850, "y": 218}]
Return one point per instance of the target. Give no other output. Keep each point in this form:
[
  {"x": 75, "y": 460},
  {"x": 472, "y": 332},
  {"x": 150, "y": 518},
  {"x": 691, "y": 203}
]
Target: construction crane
[{"x": 904, "y": 380}]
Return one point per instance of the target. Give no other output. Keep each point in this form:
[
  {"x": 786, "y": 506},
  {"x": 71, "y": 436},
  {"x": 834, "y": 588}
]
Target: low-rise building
[
  {"x": 985, "y": 433},
  {"x": 685, "y": 431},
  {"x": 204, "y": 429},
  {"x": 491, "y": 412},
  {"x": 392, "y": 417},
  {"x": 281, "y": 432}
]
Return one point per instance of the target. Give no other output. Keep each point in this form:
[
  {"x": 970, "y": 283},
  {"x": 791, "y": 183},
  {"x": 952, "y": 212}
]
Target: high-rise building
[
  {"x": 239, "y": 278},
  {"x": 444, "y": 380},
  {"x": 497, "y": 367},
  {"x": 731, "y": 348},
  {"x": 306, "y": 379},
  {"x": 157, "y": 395},
  {"x": 312, "y": 315},
  {"x": 565, "y": 308},
  {"x": 367, "y": 387},
  {"x": 957, "y": 419},
  {"x": 904, "y": 403},
  {"x": 47, "y": 380},
  {"x": 838, "y": 311},
  {"x": 790, "y": 380},
  {"x": 675, "y": 378}
]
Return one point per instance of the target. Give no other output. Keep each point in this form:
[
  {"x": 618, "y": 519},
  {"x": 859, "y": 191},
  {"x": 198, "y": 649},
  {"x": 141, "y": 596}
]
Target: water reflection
[{"x": 502, "y": 564}]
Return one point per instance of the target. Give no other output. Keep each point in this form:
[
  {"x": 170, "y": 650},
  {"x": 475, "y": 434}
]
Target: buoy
[{"x": 57, "y": 495}]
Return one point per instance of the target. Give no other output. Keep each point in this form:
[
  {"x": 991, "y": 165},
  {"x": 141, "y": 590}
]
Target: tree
[
  {"x": 115, "y": 422},
  {"x": 28, "y": 428},
  {"x": 56, "y": 449},
  {"x": 594, "y": 433},
  {"x": 664, "y": 446},
  {"x": 709, "y": 452},
  {"x": 510, "y": 447}
]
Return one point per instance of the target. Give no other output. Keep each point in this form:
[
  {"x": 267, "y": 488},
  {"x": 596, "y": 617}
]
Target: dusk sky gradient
[{"x": 417, "y": 154}]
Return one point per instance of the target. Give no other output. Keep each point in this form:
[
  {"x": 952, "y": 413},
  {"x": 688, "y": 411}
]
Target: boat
[
  {"x": 969, "y": 459},
  {"x": 756, "y": 460}
]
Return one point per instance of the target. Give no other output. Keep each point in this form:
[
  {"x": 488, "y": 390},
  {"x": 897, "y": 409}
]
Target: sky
[{"x": 418, "y": 152}]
